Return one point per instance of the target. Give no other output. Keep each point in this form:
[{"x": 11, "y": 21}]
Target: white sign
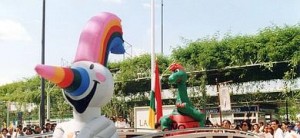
[
  {"x": 224, "y": 96},
  {"x": 141, "y": 115}
]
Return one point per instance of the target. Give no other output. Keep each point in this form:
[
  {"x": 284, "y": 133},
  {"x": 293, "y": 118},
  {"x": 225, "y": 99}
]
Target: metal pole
[
  {"x": 7, "y": 115},
  {"x": 42, "y": 105},
  {"x": 162, "y": 30},
  {"x": 248, "y": 114},
  {"x": 218, "y": 92},
  {"x": 48, "y": 104},
  {"x": 49, "y": 101},
  {"x": 152, "y": 43},
  {"x": 286, "y": 111}
]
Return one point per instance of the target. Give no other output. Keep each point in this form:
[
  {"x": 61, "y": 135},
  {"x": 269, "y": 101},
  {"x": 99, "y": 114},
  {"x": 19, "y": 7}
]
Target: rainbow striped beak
[{"x": 74, "y": 81}]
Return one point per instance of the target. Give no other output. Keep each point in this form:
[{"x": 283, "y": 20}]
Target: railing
[
  {"x": 186, "y": 133},
  {"x": 180, "y": 133},
  {"x": 44, "y": 135}
]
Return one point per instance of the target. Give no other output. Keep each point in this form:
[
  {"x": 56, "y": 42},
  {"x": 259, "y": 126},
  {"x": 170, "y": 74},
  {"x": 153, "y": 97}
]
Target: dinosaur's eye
[{"x": 92, "y": 66}]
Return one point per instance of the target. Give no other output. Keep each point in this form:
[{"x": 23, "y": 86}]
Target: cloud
[
  {"x": 148, "y": 5},
  {"x": 113, "y": 1},
  {"x": 130, "y": 53},
  {"x": 13, "y": 31},
  {"x": 137, "y": 52}
]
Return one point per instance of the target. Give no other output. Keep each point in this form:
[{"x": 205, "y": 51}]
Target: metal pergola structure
[{"x": 236, "y": 74}]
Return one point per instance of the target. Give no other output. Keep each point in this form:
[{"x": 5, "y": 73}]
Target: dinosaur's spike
[{"x": 175, "y": 66}]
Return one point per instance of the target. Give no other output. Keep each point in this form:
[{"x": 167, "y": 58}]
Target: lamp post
[{"x": 42, "y": 105}]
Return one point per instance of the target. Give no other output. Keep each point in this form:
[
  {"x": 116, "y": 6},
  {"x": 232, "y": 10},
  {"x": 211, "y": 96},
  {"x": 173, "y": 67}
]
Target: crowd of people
[
  {"x": 120, "y": 122},
  {"x": 18, "y": 131},
  {"x": 273, "y": 129}
]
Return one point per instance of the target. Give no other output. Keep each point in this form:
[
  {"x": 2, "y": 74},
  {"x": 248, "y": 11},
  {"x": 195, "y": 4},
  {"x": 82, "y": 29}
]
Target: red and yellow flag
[{"x": 155, "y": 96}]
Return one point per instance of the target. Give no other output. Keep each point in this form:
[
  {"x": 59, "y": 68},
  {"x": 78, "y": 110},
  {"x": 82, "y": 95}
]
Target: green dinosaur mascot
[{"x": 183, "y": 104}]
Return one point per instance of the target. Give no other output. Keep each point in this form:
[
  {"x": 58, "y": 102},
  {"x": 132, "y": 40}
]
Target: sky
[{"x": 21, "y": 26}]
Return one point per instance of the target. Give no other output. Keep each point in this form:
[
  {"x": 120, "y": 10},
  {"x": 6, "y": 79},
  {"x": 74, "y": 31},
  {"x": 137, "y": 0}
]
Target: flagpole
[
  {"x": 162, "y": 27},
  {"x": 152, "y": 44},
  {"x": 151, "y": 117}
]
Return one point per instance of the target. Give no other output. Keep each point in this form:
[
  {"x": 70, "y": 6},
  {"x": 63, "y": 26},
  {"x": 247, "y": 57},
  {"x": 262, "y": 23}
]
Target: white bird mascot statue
[{"x": 88, "y": 85}]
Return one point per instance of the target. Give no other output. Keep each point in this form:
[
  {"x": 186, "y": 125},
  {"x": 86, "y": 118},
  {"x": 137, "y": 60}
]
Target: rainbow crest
[{"x": 102, "y": 35}]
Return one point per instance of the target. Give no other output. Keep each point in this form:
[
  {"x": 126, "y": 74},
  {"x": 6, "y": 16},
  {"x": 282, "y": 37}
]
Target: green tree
[{"x": 204, "y": 59}]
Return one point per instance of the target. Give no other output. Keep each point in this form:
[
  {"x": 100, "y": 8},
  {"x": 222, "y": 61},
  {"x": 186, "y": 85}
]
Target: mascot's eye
[{"x": 92, "y": 66}]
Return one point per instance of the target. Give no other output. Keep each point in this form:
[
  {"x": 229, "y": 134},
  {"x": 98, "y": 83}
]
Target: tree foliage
[
  {"x": 136, "y": 69},
  {"x": 29, "y": 91},
  {"x": 132, "y": 76},
  {"x": 271, "y": 44}
]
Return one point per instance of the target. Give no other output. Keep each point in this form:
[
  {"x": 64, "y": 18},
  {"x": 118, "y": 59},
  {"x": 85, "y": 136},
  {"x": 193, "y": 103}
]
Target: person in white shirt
[
  {"x": 291, "y": 133},
  {"x": 5, "y": 133},
  {"x": 119, "y": 123},
  {"x": 268, "y": 131},
  {"x": 297, "y": 127},
  {"x": 127, "y": 125},
  {"x": 261, "y": 126},
  {"x": 284, "y": 128},
  {"x": 278, "y": 133},
  {"x": 19, "y": 132}
]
